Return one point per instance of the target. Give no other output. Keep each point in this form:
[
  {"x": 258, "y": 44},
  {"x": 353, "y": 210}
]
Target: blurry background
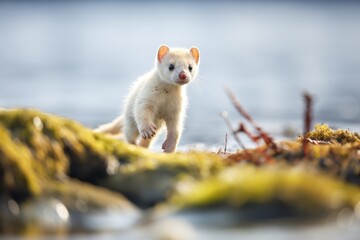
[{"x": 78, "y": 58}]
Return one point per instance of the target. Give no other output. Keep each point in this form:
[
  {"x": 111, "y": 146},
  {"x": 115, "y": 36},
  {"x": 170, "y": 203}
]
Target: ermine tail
[{"x": 113, "y": 128}]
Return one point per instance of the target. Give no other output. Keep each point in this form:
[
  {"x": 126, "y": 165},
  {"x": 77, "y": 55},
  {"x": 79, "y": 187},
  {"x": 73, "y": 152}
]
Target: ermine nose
[{"x": 182, "y": 75}]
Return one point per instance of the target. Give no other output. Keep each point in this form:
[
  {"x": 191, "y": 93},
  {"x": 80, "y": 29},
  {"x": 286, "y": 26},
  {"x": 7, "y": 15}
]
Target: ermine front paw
[
  {"x": 147, "y": 131},
  {"x": 169, "y": 145}
]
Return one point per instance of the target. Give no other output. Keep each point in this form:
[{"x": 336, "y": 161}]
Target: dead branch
[
  {"x": 225, "y": 147},
  {"x": 308, "y": 99},
  {"x": 224, "y": 115},
  {"x": 265, "y": 136},
  {"x": 243, "y": 129},
  {"x": 317, "y": 142}
]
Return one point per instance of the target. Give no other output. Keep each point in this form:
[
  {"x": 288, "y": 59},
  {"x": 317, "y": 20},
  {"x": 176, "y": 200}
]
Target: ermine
[{"x": 158, "y": 99}]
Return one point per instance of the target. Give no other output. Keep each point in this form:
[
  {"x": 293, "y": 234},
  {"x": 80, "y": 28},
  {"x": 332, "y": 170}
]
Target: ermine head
[{"x": 177, "y": 65}]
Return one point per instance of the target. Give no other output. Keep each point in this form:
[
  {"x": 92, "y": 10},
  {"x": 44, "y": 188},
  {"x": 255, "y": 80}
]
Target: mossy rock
[
  {"x": 149, "y": 181},
  {"x": 323, "y": 132},
  {"x": 17, "y": 176},
  {"x": 41, "y": 156},
  {"x": 38, "y": 147},
  {"x": 286, "y": 191},
  {"x": 335, "y": 152},
  {"x": 61, "y": 146},
  {"x": 45, "y": 156}
]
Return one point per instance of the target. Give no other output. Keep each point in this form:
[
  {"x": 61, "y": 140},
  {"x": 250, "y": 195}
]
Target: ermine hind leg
[{"x": 131, "y": 132}]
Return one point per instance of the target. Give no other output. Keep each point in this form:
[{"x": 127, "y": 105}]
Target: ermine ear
[
  {"x": 163, "y": 49},
  {"x": 196, "y": 54}
]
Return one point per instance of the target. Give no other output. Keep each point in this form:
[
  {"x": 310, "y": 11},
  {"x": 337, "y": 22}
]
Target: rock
[
  {"x": 150, "y": 180},
  {"x": 40, "y": 157},
  {"x": 52, "y": 147},
  {"x": 58, "y": 176},
  {"x": 58, "y": 146},
  {"x": 246, "y": 193},
  {"x": 48, "y": 161},
  {"x": 68, "y": 206}
]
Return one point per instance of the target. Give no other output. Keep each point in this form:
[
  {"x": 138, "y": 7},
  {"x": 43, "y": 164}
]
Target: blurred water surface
[{"x": 78, "y": 58}]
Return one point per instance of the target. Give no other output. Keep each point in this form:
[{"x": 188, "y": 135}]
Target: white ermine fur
[{"x": 158, "y": 98}]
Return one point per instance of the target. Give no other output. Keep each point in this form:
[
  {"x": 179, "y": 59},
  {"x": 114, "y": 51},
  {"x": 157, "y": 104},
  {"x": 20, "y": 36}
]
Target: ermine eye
[
  {"x": 171, "y": 67},
  {"x": 190, "y": 68}
]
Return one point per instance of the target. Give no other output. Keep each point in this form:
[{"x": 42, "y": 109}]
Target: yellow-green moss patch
[
  {"x": 47, "y": 147},
  {"x": 17, "y": 176},
  {"x": 296, "y": 187},
  {"x": 323, "y": 132}
]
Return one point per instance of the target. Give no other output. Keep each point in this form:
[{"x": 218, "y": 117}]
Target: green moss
[
  {"x": 297, "y": 188},
  {"x": 56, "y": 147},
  {"x": 195, "y": 163},
  {"x": 59, "y": 145},
  {"x": 37, "y": 146},
  {"x": 17, "y": 177},
  {"x": 318, "y": 151},
  {"x": 39, "y": 150},
  {"x": 294, "y": 181},
  {"x": 150, "y": 180},
  {"x": 325, "y": 133}
]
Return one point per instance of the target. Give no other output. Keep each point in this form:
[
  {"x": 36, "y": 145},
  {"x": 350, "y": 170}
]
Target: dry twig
[
  {"x": 307, "y": 121},
  {"x": 266, "y": 137},
  {"x": 243, "y": 129},
  {"x": 225, "y": 147},
  {"x": 224, "y": 115}
]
